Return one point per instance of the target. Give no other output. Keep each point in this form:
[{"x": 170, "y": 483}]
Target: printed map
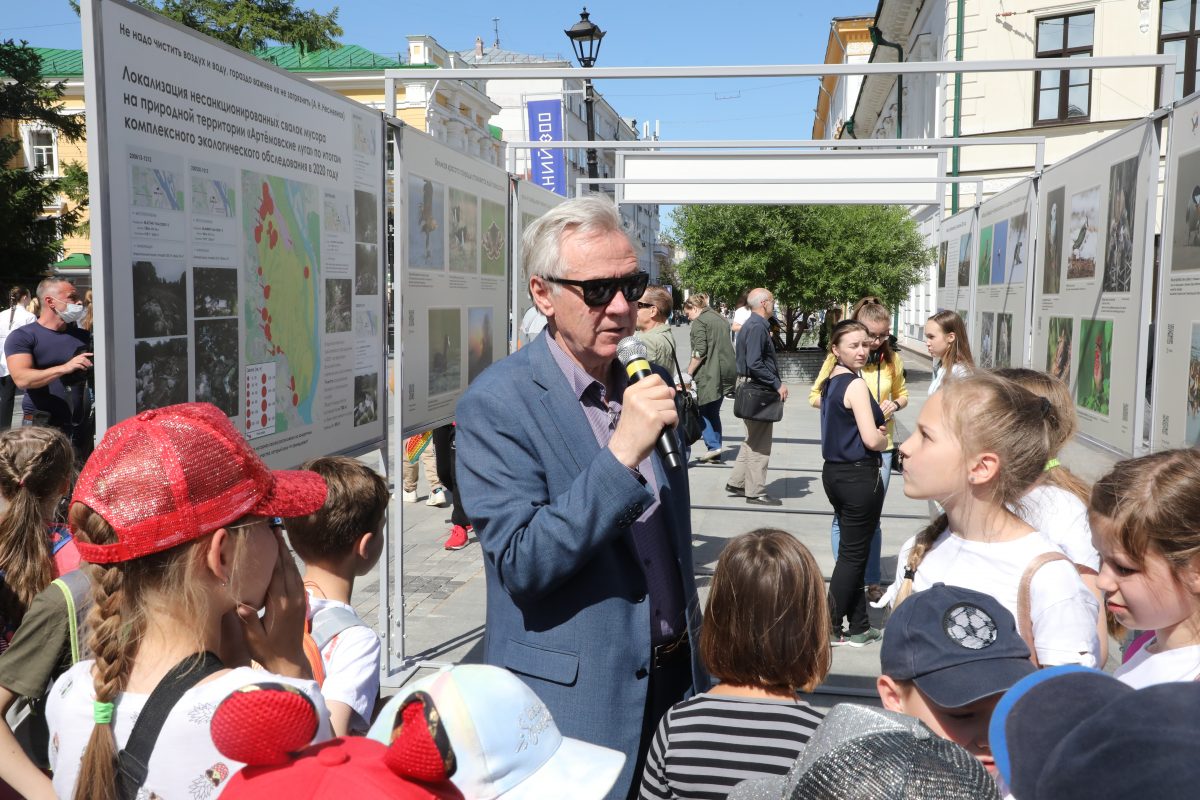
[{"x": 282, "y": 225}]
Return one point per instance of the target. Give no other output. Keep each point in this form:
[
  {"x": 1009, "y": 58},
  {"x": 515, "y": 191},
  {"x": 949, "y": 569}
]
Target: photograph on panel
[
  {"x": 1082, "y": 234},
  {"x": 1018, "y": 247},
  {"x": 479, "y": 341},
  {"x": 1095, "y": 365},
  {"x": 1004, "y": 339},
  {"x": 217, "y": 344},
  {"x": 1118, "y": 250},
  {"x": 464, "y": 231},
  {"x": 1052, "y": 242},
  {"x": 426, "y": 223},
  {"x": 987, "y": 330},
  {"x": 1193, "y": 388},
  {"x": 1058, "y": 348},
  {"x": 943, "y": 248},
  {"x": 445, "y": 350},
  {"x": 215, "y": 293},
  {"x": 366, "y": 398},
  {"x": 160, "y": 372},
  {"x": 964, "y": 261},
  {"x": 494, "y": 238},
  {"x": 999, "y": 252},
  {"x": 1185, "y": 253},
  {"x": 985, "y": 257},
  {"x": 338, "y": 304},
  {"x": 160, "y": 297}
]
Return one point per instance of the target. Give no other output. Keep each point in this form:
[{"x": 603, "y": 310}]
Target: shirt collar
[{"x": 577, "y": 378}]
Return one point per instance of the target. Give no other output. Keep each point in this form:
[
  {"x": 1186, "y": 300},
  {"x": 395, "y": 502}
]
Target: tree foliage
[
  {"x": 30, "y": 239},
  {"x": 810, "y": 256},
  {"x": 251, "y": 24}
]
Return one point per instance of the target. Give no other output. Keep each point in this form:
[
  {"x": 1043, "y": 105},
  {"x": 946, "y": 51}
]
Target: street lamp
[{"x": 585, "y": 37}]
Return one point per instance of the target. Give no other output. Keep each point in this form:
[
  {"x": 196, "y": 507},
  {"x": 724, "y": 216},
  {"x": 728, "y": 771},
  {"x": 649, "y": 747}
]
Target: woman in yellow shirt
[{"x": 884, "y": 375}]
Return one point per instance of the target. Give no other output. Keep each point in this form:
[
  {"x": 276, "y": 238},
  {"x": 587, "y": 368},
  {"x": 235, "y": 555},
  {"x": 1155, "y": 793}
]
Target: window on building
[
  {"x": 41, "y": 151},
  {"x": 1177, "y": 36},
  {"x": 1063, "y": 95}
]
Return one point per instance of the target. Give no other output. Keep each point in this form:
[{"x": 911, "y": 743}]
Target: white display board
[
  {"x": 956, "y": 264},
  {"x": 1092, "y": 297},
  {"x": 999, "y": 329},
  {"x": 454, "y": 300},
  {"x": 530, "y": 201},
  {"x": 1176, "y": 419},
  {"x": 819, "y": 177},
  {"x": 238, "y": 216}
]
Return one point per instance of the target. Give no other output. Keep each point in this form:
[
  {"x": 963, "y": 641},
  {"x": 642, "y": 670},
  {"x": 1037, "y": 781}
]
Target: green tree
[
  {"x": 250, "y": 24},
  {"x": 31, "y": 239},
  {"x": 810, "y": 256}
]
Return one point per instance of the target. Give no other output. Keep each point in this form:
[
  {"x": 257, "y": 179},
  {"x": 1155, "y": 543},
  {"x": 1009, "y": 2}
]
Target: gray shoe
[{"x": 865, "y": 638}]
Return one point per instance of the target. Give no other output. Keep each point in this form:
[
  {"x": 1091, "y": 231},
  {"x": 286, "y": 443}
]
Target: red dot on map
[
  {"x": 264, "y": 404},
  {"x": 295, "y": 399},
  {"x": 264, "y": 420},
  {"x": 267, "y": 291},
  {"x": 260, "y": 271},
  {"x": 264, "y": 314},
  {"x": 292, "y": 382},
  {"x": 306, "y": 270},
  {"x": 258, "y": 234},
  {"x": 264, "y": 377},
  {"x": 264, "y": 391},
  {"x": 267, "y": 330}
]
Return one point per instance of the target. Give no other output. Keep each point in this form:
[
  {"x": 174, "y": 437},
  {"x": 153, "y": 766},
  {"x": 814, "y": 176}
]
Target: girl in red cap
[{"x": 176, "y": 515}]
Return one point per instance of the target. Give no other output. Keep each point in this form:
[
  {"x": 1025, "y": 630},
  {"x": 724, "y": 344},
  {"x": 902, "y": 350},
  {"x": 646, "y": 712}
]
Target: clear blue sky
[{"x": 639, "y": 33}]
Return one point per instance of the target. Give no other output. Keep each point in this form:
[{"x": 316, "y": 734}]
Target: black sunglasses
[{"x": 600, "y": 291}]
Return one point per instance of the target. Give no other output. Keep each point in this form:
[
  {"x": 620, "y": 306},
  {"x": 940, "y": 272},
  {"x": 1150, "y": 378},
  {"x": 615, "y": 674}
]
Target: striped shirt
[{"x": 707, "y": 745}]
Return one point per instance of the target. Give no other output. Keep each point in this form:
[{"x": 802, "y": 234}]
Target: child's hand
[{"x": 276, "y": 640}]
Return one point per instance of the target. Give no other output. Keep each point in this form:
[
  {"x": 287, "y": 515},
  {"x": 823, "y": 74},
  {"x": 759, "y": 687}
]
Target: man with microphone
[{"x": 585, "y": 527}]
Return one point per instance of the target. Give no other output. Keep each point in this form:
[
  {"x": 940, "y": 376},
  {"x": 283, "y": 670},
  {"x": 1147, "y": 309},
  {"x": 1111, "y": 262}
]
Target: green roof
[
  {"x": 58, "y": 63},
  {"x": 75, "y": 261},
  {"x": 497, "y": 133},
  {"x": 341, "y": 59}
]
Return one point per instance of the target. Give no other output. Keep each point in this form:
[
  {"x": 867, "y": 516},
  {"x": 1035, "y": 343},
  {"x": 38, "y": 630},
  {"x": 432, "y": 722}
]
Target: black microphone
[{"x": 632, "y": 355}]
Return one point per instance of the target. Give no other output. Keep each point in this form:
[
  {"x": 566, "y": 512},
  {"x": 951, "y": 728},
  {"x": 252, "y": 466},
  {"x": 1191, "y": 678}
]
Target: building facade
[{"x": 1070, "y": 108}]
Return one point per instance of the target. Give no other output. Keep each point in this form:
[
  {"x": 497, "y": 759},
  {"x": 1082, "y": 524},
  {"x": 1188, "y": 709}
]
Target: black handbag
[
  {"x": 754, "y": 401},
  {"x": 690, "y": 427}
]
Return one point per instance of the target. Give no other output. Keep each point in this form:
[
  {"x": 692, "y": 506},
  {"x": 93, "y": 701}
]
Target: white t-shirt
[
  {"x": 532, "y": 324},
  {"x": 1064, "y": 519},
  {"x": 1062, "y": 610},
  {"x": 185, "y": 762},
  {"x": 740, "y": 315},
  {"x": 351, "y": 666},
  {"x": 958, "y": 371},
  {"x": 10, "y": 320},
  {"x": 1170, "y": 666}
]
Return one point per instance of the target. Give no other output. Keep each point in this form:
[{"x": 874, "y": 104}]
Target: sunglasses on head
[{"x": 600, "y": 291}]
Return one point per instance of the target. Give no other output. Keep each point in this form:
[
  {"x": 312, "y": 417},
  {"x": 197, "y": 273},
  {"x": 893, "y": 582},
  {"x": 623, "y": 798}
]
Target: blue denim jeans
[
  {"x": 710, "y": 415},
  {"x": 874, "y": 574}
]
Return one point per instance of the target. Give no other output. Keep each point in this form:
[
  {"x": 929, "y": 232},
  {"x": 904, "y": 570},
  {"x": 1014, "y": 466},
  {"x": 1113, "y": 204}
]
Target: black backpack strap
[{"x": 133, "y": 761}]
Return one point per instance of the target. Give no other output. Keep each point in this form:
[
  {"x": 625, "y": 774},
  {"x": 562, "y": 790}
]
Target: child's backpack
[{"x": 320, "y": 630}]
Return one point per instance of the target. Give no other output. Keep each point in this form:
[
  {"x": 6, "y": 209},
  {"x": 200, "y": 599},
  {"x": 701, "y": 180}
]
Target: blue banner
[{"x": 547, "y": 167}]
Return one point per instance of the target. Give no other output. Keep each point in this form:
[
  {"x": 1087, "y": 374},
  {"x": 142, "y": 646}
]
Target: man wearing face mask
[{"x": 51, "y": 360}]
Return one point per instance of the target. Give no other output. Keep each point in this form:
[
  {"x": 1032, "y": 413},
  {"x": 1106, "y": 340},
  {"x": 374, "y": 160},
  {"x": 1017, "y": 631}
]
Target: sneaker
[
  {"x": 711, "y": 457},
  {"x": 736, "y": 491},
  {"x": 865, "y": 638},
  {"x": 764, "y": 500},
  {"x": 437, "y": 498},
  {"x": 838, "y": 638},
  {"x": 457, "y": 539},
  {"x": 410, "y": 497}
]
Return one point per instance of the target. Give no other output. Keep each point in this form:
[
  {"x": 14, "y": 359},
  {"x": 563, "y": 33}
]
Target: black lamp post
[{"x": 585, "y": 37}]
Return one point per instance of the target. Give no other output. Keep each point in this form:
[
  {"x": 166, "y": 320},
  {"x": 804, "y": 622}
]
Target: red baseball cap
[{"x": 173, "y": 474}]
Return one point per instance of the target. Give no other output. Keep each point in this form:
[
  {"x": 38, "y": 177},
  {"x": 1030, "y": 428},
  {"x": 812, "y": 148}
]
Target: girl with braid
[
  {"x": 35, "y": 474},
  {"x": 981, "y": 442},
  {"x": 177, "y": 517}
]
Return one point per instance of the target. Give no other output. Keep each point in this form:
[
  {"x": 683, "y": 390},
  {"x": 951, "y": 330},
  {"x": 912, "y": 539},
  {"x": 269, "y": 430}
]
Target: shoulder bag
[
  {"x": 690, "y": 427},
  {"x": 754, "y": 401}
]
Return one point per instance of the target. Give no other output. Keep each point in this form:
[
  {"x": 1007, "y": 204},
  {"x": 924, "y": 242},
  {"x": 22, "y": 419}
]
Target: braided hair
[{"x": 36, "y": 470}]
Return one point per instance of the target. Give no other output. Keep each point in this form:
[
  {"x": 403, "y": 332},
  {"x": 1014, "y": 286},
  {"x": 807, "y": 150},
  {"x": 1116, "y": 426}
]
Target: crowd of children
[{"x": 190, "y": 656}]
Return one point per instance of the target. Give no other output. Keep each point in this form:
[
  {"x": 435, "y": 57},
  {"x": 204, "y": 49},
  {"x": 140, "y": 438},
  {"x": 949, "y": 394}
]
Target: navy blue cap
[
  {"x": 957, "y": 645},
  {"x": 1071, "y": 732}
]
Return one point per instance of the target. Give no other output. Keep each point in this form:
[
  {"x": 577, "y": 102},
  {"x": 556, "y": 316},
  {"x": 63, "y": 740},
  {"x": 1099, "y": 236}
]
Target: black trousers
[
  {"x": 444, "y": 449},
  {"x": 670, "y": 681},
  {"x": 856, "y": 493},
  {"x": 8, "y": 394}
]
